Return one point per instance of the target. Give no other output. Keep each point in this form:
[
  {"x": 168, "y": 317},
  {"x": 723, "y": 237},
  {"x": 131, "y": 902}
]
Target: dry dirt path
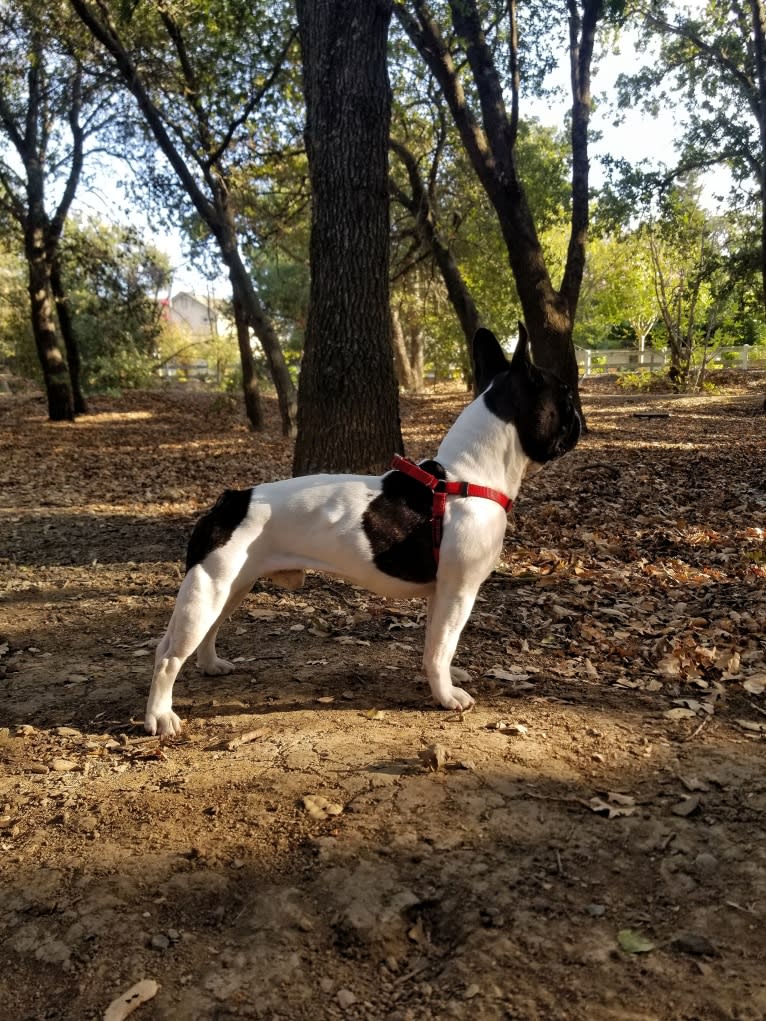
[{"x": 594, "y": 846}]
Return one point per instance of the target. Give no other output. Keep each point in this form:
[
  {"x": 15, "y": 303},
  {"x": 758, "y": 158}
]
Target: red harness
[{"x": 441, "y": 490}]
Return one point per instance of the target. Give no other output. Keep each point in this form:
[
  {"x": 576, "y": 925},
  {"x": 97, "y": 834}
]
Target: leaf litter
[{"x": 632, "y": 584}]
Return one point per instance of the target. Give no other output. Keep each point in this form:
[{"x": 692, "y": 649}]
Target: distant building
[
  {"x": 205, "y": 320},
  {"x": 203, "y": 317}
]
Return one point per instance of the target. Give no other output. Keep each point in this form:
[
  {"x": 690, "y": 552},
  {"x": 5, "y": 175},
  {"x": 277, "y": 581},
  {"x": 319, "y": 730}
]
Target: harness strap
[{"x": 441, "y": 489}]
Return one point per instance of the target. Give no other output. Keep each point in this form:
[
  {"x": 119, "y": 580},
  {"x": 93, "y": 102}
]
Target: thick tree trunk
[
  {"x": 55, "y": 370},
  {"x": 249, "y": 382},
  {"x": 68, "y": 335},
  {"x": 348, "y": 416}
]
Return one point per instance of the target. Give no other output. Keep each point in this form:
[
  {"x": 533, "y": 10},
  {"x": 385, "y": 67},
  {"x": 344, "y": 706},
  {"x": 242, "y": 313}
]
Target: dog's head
[{"x": 536, "y": 402}]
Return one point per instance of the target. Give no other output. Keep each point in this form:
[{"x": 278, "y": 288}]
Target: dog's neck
[{"x": 482, "y": 449}]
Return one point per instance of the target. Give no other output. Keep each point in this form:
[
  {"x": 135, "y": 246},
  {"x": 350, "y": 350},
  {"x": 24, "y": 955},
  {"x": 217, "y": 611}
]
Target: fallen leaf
[
  {"x": 124, "y": 1005},
  {"x": 687, "y": 806},
  {"x": 679, "y": 713},
  {"x": 633, "y": 942},
  {"x": 505, "y": 675},
  {"x": 610, "y": 808},
  {"x": 755, "y": 684}
]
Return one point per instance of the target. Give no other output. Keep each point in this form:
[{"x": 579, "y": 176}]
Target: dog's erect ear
[
  {"x": 488, "y": 358},
  {"x": 522, "y": 356}
]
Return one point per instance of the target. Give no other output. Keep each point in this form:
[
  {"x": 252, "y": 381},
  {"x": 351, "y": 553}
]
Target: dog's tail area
[{"x": 216, "y": 526}]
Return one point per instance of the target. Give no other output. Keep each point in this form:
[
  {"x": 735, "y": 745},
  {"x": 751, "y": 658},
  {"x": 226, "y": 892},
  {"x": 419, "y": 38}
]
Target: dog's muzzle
[{"x": 569, "y": 436}]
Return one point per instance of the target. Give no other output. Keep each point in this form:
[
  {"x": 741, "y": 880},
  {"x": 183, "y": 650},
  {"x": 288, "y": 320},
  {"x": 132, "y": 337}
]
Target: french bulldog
[{"x": 433, "y": 530}]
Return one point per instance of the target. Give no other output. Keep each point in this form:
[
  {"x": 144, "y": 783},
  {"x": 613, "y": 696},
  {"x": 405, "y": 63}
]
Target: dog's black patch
[
  {"x": 215, "y": 527},
  {"x": 398, "y": 526}
]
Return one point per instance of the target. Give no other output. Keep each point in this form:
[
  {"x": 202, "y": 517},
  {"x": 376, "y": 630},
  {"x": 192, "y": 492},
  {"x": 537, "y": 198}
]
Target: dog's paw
[
  {"x": 162, "y": 724},
  {"x": 216, "y": 667},
  {"x": 455, "y": 698}
]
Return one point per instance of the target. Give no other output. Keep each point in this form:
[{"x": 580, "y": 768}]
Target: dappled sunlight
[{"x": 317, "y": 807}]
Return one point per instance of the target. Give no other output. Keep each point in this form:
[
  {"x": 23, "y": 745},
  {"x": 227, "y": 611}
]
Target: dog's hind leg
[
  {"x": 200, "y": 606},
  {"x": 448, "y": 612},
  {"x": 208, "y": 659}
]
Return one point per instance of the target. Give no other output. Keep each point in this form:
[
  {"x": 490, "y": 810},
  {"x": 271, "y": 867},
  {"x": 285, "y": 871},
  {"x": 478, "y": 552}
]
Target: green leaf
[{"x": 633, "y": 942}]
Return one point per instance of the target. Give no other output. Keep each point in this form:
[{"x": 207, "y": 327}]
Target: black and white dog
[{"x": 433, "y": 530}]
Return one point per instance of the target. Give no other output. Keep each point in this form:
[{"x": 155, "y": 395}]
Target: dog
[{"x": 433, "y": 530}]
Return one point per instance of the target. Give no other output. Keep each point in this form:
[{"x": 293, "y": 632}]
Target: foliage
[
  {"x": 113, "y": 281},
  {"x": 16, "y": 341}
]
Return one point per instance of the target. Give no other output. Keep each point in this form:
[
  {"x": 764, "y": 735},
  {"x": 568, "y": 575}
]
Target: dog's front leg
[{"x": 448, "y": 611}]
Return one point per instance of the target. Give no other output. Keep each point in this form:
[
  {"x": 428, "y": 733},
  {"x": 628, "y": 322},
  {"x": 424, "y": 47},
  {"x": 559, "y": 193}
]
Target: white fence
[{"x": 594, "y": 362}]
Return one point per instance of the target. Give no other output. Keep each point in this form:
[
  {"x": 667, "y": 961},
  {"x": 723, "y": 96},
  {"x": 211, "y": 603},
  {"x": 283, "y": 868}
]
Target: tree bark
[
  {"x": 759, "y": 56},
  {"x": 55, "y": 370},
  {"x": 250, "y": 391},
  {"x": 68, "y": 334},
  {"x": 348, "y": 416}
]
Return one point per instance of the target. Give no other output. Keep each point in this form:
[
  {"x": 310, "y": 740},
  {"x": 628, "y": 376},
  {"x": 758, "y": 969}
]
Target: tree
[
  {"x": 686, "y": 247},
  {"x": 47, "y": 111},
  {"x": 348, "y": 416},
  {"x": 715, "y": 57},
  {"x": 113, "y": 279},
  {"x": 618, "y": 292},
  {"x": 460, "y": 41},
  {"x": 201, "y": 74}
]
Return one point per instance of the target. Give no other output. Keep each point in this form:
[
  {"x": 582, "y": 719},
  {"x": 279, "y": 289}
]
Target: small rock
[
  {"x": 694, "y": 943},
  {"x": 345, "y": 999},
  {"x": 66, "y": 732},
  {"x": 173, "y": 935},
  {"x": 24, "y": 730},
  {"x": 319, "y": 807},
  {"x": 705, "y": 862},
  {"x": 159, "y": 941},
  {"x": 76, "y": 678},
  {"x": 596, "y": 910},
  {"x": 63, "y": 765},
  {"x": 471, "y": 991},
  {"x": 37, "y": 767},
  {"x": 434, "y": 757}
]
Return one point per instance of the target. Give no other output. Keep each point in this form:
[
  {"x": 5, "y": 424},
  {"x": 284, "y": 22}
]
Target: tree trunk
[
  {"x": 488, "y": 135},
  {"x": 759, "y": 54},
  {"x": 348, "y": 415},
  {"x": 249, "y": 382},
  {"x": 55, "y": 370},
  {"x": 405, "y": 373},
  {"x": 213, "y": 209},
  {"x": 415, "y": 350},
  {"x": 67, "y": 332},
  {"x": 422, "y": 212},
  {"x": 246, "y": 295}
]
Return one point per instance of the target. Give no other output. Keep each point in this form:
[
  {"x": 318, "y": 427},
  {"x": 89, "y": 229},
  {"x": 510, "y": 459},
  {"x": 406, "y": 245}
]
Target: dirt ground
[{"x": 594, "y": 845}]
